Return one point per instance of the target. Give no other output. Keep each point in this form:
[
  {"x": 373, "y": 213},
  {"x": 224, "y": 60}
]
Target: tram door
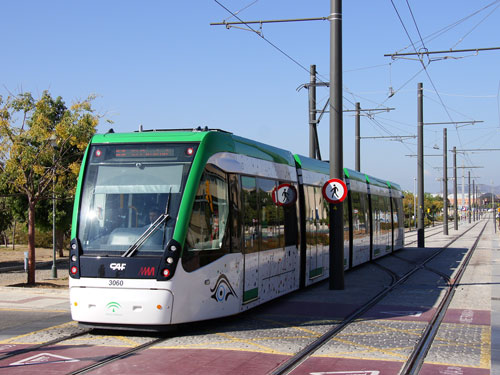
[{"x": 251, "y": 236}]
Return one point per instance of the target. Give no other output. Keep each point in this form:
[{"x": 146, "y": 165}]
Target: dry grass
[
  {"x": 10, "y": 257},
  {"x": 7, "y": 254}
]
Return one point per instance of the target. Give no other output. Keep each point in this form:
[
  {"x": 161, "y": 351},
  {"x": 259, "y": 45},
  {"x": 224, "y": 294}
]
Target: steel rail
[
  {"x": 301, "y": 356},
  {"x": 433, "y": 270},
  {"x": 42, "y": 345},
  {"x": 394, "y": 275},
  {"x": 417, "y": 357},
  {"x": 437, "y": 231},
  {"x": 116, "y": 357}
]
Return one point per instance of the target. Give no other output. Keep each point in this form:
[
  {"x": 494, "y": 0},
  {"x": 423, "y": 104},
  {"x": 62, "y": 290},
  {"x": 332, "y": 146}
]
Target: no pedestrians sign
[{"x": 334, "y": 190}]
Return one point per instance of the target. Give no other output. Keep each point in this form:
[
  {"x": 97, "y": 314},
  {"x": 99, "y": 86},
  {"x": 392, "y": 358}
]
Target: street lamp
[{"x": 53, "y": 143}]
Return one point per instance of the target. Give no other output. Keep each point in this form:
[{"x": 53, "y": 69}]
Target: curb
[{"x": 20, "y": 267}]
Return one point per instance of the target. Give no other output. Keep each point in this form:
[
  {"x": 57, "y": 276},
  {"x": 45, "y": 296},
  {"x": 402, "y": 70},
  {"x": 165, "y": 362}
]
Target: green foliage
[
  {"x": 43, "y": 238},
  {"x": 64, "y": 212},
  {"x": 433, "y": 208},
  {"x": 5, "y": 216},
  {"x": 42, "y": 142}
]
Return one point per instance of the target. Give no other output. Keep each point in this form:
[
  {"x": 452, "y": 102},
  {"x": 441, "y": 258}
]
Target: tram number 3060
[{"x": 115, "y": 283}]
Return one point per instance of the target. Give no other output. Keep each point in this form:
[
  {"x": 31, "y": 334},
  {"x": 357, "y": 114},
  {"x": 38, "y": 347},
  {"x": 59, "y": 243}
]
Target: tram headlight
[
  {"x": 166, "y": 272},
  {"x": 73, "y": 258},
  {"x": 170, "y": 260}
]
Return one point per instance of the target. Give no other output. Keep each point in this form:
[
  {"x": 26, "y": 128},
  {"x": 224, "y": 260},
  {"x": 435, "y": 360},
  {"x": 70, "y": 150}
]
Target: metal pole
[
  {"x": 474, "y": 191},
  {"x": 54, "y": 268},
  {"x": 358, "y": 139},
  {"x": 445, "y": 182},
  {"x": 473, "y": 200},
  {"x": 493, "y": 208},
  {"x": 469, "y": 208},
  {"x": 455, "y": 192},
  {"x": 415, "y": 201},
  {"x": 336, "y": 147},
  {"x": 312, "y": 112},
  {"x": 420, "y": 105},
  {"x": 463, "y": 191},
  {"x": 477, "y": 202}
]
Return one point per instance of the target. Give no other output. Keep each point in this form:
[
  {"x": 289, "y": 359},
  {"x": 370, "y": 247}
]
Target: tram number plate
[{"x": 115, "y": 283}]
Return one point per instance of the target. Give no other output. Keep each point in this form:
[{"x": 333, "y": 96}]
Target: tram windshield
[{"x": 124, "y": 191}]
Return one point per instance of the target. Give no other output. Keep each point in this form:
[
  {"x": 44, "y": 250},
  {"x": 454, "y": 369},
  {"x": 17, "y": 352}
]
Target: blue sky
[{"x": 161, "y": 64}]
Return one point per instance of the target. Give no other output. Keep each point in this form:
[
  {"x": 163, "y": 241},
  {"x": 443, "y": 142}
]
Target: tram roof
[
  {"x": 150, "y": 136},
  {"x": 311, "y": 164},
  {"x": 320, "y": 166},
  {"x": 220, "y": 140},
  {"x": 215, "y": 140}
]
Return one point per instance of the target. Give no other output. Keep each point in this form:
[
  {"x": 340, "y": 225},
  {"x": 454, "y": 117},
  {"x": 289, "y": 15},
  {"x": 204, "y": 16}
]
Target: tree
[
  {"x": 42, "y": 140},
  {"x": 408, "y": 206},
  {"x": 64, "y": 213},
  {"x": 5, "y": 219}
]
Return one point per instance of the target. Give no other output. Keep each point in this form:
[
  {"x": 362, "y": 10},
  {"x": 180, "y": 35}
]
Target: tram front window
[{"x": 122, "y": 189}]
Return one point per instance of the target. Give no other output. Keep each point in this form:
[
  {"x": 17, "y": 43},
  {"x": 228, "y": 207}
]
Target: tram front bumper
[{"x": 121, "y": 306}]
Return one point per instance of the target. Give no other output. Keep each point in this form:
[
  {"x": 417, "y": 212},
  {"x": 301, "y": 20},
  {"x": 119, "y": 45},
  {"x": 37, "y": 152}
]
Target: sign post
[
  {"x": 335, "y": 191},
  {"x": 336, "y": 246}
]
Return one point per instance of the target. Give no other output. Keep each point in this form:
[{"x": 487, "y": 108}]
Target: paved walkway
[{"x": 495, "y": 302}]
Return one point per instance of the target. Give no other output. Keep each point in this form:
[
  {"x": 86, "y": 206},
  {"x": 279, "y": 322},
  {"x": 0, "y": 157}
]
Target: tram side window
[
  {"x": 207, "y": 237},
  {"x": 375, "y": 214},
  {"x": 235, "y": 214},
  {"x": 288, "y": 216},
  {"x": 358, "y": 220},
  {"x": 322, "y": 217},
  {"x": 250, "y": 214},
  {"x": 310, "y": 217},
  {"x": 386, "y": 214},
  {"x": 395, "y": 213},
  {"x": 270, "y": 224},
  {"x": 359, "y": 214},
  {"x": 346, "y": 222},
  {"x": 400, "y": 209}
]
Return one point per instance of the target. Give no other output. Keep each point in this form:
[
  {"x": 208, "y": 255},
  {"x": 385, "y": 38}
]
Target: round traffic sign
[
  {"x": 284, "y": 195},
  {"x": 334, "y": 190}
]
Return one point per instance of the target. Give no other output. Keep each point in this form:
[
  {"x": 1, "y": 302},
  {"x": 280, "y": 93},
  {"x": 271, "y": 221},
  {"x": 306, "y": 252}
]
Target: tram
[{"x": 175, "y": 226}]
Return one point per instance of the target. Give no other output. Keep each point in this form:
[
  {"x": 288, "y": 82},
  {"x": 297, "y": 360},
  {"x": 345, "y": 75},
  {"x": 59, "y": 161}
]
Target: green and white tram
[{"x": 177, "y": 226}]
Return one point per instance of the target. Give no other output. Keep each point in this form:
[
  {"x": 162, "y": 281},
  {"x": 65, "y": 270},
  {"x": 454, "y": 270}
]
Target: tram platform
[{"x": 468, "y": 341}]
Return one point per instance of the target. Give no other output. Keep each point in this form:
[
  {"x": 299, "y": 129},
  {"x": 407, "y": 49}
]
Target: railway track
[
  {"x": 116, "y": 357},
  {"x": 417, "y": 357},
  {"x": 414, "y": 362},
  {"x": 99, "y": 362},
  {"x": 411, "y": 366},
  {"x": 34, "y": 348},
  {"x": 429, "y": 232}
]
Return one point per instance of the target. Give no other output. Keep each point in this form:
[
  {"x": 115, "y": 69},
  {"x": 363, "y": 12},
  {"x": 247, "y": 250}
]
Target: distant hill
[{"x": 483, "y": 189}]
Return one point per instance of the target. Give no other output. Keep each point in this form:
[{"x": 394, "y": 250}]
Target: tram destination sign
[{"x": 334, "y": 190}]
